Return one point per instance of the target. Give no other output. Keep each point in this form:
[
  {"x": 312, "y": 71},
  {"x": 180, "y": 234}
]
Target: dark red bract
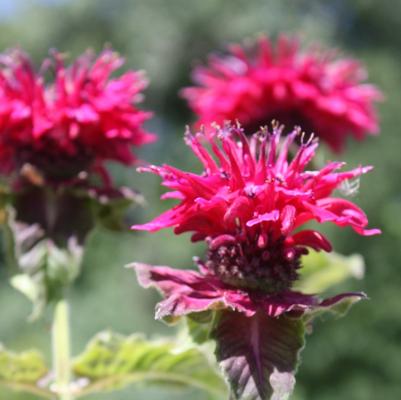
[{"x": 324, "y": 95}]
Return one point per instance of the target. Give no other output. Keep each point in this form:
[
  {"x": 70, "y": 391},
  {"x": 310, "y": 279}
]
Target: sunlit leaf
[
  {"x": 112, "y": 361},
  {"x": 321, "y": 271},
  {"x": 24, "y": 372}
]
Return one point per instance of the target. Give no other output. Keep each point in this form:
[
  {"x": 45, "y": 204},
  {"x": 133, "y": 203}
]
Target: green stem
[{"x": 61, "y": 350}]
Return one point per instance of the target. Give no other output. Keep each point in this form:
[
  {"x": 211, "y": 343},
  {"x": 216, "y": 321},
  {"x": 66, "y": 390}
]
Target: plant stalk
[{"x": 61, "y": 350}]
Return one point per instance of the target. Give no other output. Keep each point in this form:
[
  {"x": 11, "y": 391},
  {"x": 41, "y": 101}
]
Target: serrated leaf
[
  {"x": 339, "y": 308},
  {"x": 259, "y": 354},
  {"x": 112, "y": 361},
  {"x": 23, "y": 371},
  {"x": 321, "y": 271}
]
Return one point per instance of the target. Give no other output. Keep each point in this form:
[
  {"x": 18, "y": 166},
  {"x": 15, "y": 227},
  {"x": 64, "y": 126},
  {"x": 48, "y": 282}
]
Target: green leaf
[
  {"x": 112, "y": 361},
  {"x": 109, "y": 207},
  {"x": 321, "y": 271},
  {"x": 259, "y": 354},
  {"x": 45, "y": 268},
  {"x": 5, "y": 199},
  {"x": 200, "y": 325},
  {"x": 34, "y": 288},
  {"x": 47, "y": 229},
  {"x": 46, "y": 271},
  {"x": 23, "y": 372},
  {"x": 338, "y": 309}
]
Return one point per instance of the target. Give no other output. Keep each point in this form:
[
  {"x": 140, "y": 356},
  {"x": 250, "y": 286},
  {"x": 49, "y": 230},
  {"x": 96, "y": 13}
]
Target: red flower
[
  {"x": 80, "y": 118},
  {"x": 250, "y": 205},
  {"x": 313, "y": 90}
]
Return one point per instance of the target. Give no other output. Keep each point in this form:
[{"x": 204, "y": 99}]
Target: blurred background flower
[
  {"x": 357, "y": 358},
  {"x": 308, "y": 88},
  {"x": 72, "y": 123}
]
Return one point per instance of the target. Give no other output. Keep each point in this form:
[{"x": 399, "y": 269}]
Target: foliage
[
  {"x": 23, "y": 371},
  {"x": 45, "y": 268},
  {"x": 260, "y": 355},
  {"x": 322, "y": 271},
  {"x": 113, "y": 361}
]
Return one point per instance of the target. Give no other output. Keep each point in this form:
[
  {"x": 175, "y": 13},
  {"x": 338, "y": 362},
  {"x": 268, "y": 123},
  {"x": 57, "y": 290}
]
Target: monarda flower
[
  {"x": 322, "y": 94},
  {"x": 250, "y": 205},
  {"x": 58, "y": 125},
  {"x": 78, "y": 118}
]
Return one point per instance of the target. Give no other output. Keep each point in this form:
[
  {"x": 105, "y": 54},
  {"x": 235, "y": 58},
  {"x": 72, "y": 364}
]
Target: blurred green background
[{"x": 355, "y": 358}]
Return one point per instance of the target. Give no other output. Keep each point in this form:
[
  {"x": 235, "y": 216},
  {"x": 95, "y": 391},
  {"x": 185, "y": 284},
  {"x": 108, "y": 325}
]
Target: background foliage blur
[{"x": 356, "y": 358}]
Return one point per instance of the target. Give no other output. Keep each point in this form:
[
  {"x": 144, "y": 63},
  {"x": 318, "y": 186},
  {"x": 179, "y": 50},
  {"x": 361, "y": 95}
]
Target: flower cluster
[
  {"x": 322, "y": 94},
  {"x": 250, "y": 205},
  {"x": 78, "y": 119}
]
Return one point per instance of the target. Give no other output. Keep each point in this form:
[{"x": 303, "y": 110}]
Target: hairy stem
[{"x": 61, "y": 350}]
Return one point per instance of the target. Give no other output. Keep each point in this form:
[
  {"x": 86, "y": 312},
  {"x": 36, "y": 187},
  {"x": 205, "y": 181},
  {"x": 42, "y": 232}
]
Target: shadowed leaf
[
  {"x": 259, "y": 354},
  {"x": 200, "y": 325}
]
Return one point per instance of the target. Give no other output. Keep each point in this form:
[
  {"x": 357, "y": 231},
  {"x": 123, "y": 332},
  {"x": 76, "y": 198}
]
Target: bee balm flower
[
  {"x": 79, "y": 118},
  {"x": 250, "y": 205},
  {"x": 324, "y": 95},
  {"x": 57, "y": 126}
]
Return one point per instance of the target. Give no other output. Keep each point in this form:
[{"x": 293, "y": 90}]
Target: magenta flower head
[
  {"x": 58, "y": 125},
  {"x": 250, "y": 205},
  {"x": 77, "y": 119},
  {"x": 324, "y": 95}
]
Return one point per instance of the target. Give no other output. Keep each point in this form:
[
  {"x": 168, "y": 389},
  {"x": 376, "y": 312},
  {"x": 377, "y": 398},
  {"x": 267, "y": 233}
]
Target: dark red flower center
[
  {"x": 288, "y": 117},
  {"x": 54, "y": 164},
  {"x": 270, "y": 268}
]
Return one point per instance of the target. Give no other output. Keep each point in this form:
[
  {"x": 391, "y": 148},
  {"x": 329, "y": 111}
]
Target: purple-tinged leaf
[
  {"x": 337, "y": 306},
  {"x": 259, "y": 354}
]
